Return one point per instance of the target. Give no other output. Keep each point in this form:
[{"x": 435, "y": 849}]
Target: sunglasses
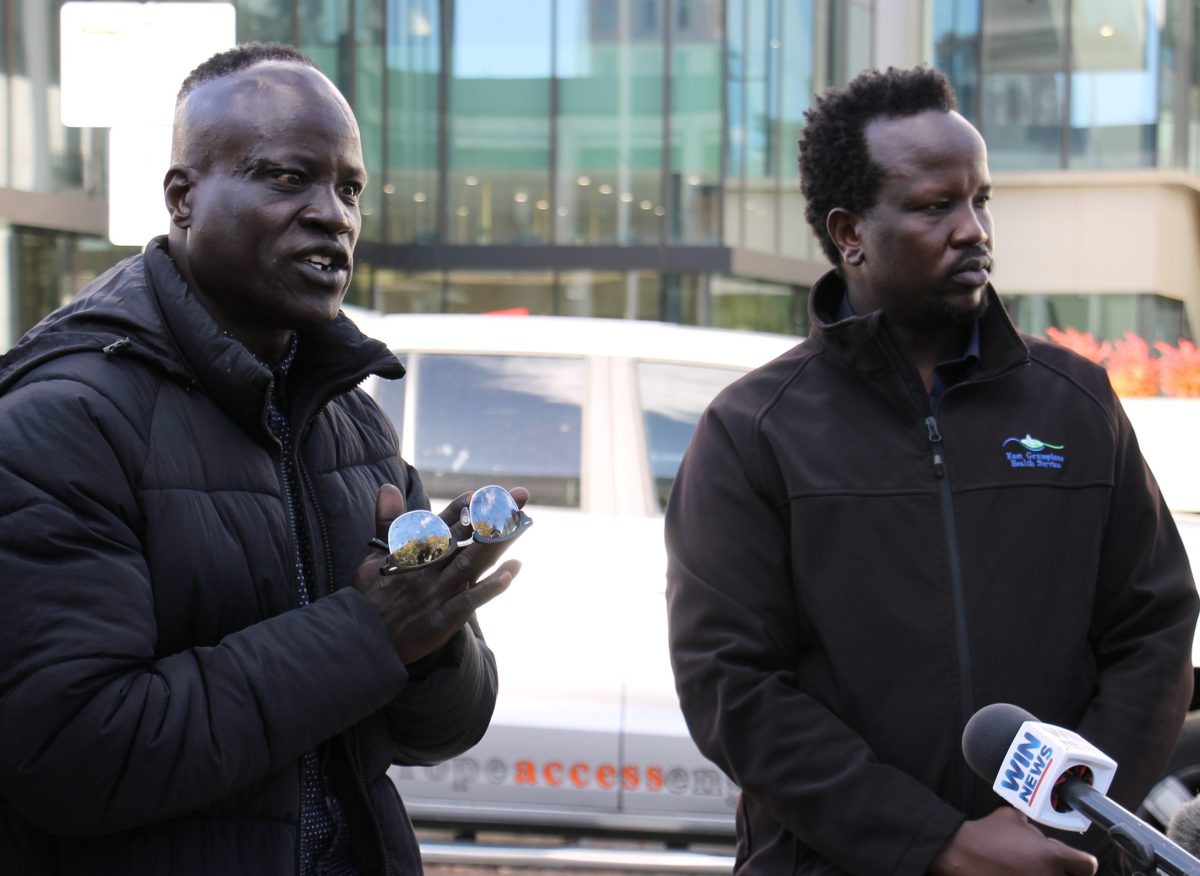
[{"x": 418, "y": 538}]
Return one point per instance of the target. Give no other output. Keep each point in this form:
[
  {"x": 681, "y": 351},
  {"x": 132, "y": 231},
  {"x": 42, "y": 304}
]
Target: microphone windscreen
[
  {"x": 1184, "y": 828},
  {"x": 988, "y": 736}
]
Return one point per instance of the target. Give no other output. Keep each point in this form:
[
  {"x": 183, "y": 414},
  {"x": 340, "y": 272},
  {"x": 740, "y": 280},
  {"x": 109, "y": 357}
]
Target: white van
[{"x": 593, "y": 416}]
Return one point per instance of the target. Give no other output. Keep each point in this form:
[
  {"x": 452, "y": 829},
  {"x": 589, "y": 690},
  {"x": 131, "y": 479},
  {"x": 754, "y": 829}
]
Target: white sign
[{"x": 122, "y": 65}]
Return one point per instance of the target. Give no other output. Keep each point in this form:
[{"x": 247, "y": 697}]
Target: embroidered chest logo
[{"x": 1031, "y": 452}]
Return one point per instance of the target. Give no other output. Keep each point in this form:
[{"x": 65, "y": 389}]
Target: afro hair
[{"x": 836, "y": 169}]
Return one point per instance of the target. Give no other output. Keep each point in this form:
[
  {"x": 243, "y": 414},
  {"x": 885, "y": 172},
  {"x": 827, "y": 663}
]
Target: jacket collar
[
  {"x": 330, "y": 358},
  {"x": 869, "y": 345}
]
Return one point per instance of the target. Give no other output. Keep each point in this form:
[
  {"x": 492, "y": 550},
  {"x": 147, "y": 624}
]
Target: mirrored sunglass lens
[
  {"x": 494, "y": 513},
  {"x": 417, "y": 538}
]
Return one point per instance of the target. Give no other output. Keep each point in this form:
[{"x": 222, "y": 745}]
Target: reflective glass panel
[
  {"x": 408, "y": 187},
  {"x": 390, "y": 395},
  {"x": 1024, "y": 56},
  {"x": 406, "y": 292},
  {"x": 797, "y": 86},
  {"x": 735, "y": 102},
  {"x": 499, "y": 173},
  {"x": 42, "y": 154},
  {"x": 672, "y": 398},
  {"x": 763, "y": 46},
  {"x": 50, "y": 267},
  {"x": 492, "y": 291},
  {"x": 370, "y": 108},
  {"x": 849, "y": 40},
  {"x": 693, "y": 214},
  {"x": 628, "y": 295},
  {"x": 1115, "y": 50},
  {"x": 756, "y": 305},
  {"x": 956, "y": 50},
  {"x": 509, "y": 420},
  {"x": 264, "y": 20},
  {"x": 610, "y": 128}
]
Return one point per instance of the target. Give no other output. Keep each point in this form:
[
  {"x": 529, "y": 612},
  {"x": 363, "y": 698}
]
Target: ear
[
  {"x": 177, "y": 188},
  {"x": 845, "y": 232}
]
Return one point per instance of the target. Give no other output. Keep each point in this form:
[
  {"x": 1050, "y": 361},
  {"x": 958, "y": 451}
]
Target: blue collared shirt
[{"x": 947, "y": 372}]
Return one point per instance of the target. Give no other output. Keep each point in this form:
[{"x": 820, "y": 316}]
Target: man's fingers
[
  {"x": 389, "y": 504},
  {"x": 486, "y": 590},
  {"x": 1075, "y": 862}
]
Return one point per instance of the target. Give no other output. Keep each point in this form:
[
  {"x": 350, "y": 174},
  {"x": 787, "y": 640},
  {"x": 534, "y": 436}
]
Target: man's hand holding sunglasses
[{"x": 425, "y": 583}]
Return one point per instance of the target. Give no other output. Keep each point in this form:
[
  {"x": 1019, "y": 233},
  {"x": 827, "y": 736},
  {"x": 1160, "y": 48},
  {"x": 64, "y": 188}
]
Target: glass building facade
[
  {"x": 627, "y": 158},
  {"x": 1079, "y": 86}
]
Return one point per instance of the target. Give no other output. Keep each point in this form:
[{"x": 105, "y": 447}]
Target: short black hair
[
  {"x": 239, "y": 58},
  {"x": 835, "y": 167}
]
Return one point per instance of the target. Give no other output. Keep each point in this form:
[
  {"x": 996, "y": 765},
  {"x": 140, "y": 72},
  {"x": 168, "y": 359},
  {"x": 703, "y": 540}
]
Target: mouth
[
  {"x": 330, "y": 263},
  {"x": 972, "y": 272}
]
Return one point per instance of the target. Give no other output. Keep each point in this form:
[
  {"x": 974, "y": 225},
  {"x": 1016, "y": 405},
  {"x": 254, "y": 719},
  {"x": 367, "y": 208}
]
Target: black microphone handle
[{"x": 1140, "y": 841}]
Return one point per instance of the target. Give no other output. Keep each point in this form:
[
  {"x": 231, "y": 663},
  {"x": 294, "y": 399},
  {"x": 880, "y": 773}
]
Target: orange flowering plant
[
  {"x": 1179, "y": 369},
  {"x": 1132, "y": 365}
]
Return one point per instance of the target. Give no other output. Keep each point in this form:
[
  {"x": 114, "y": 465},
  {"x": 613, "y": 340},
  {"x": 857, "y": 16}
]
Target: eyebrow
[{"x": 254, "y": 165}]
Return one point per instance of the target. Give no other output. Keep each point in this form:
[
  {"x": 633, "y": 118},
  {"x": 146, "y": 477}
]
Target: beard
[{"x": 943, "y": 313}]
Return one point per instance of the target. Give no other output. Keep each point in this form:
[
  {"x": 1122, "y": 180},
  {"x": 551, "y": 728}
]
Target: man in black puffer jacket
[{"x": 201, "y": 669}]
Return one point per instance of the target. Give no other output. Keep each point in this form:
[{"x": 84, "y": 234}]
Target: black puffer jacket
[
  {"x": 851, "y": 575},
  {"x": 158, "y": 684}
]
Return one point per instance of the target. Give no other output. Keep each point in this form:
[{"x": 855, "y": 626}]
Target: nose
[
  {"x": 974, "y": 226},
  {"x": 330, "y": 212}
]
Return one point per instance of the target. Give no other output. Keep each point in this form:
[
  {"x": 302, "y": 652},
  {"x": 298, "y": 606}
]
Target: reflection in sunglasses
[{"x": 418, "y": 538}]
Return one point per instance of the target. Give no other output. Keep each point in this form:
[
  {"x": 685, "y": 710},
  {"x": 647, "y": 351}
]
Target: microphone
[
  {"x": 1058, "y": 778},
  {"x": 1184, "y": 827}
]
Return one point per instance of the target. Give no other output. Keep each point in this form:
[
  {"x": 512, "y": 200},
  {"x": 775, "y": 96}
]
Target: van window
[
  {"x": 672, "y": 398},
  {"x": 389, "y": 395},
  {"x": 508, "y": 420}
]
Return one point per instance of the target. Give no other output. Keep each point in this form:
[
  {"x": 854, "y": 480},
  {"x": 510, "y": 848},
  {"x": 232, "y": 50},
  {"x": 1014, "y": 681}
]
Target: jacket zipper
[
  {"x": 958, "y": 587},
  {"x": 351, "y": 735}
]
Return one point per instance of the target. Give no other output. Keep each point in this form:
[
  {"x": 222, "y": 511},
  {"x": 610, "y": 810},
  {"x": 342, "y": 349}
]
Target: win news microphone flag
[{"x": 1058, "y": 778}]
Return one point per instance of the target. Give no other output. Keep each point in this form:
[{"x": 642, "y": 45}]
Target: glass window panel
[
  {"x": 735, "y": 100},
  {"x": 1024, "y": 46},
  {"x": 408, "y": 187},
  {"x": 672, "y": 398},
  {"x": 849, "y": 40},
  {"x": 264, "y": 20},
  {"x": 370, "y": 109},
  {"x": 695, "y": 199},
  {"x": 405, "y": 292},
  {"x": 1193, "y": 94},
  {"x": 610, "y": 125},
  {"x": 324, "y": 31},
  {"x": 756, "y": 305},
  {"x": 762, "y": 129},
  {"x": 1173, "y": 70},
  {"x": 1162, "y": 319},
  {"x": 390, "y": 395},
  {"x": 1117, "y": 314},
  {"x": 499, "y": 180},
  {"x": 956, "y": 50},
  {"x": 491, "y": 291},
  {"x": 50, "y": 267},
  {"x": 1068, "y": 311},
  {"x": 515, "y": 420},
  {"x": 629, "y": 295},
  {"x": 44, "y": 155},
  {"x": 1114, "y": 84}
]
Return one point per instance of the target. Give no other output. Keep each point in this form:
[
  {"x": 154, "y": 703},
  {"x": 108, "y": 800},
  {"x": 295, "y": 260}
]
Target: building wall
[{"x": 637, "y": 158}]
